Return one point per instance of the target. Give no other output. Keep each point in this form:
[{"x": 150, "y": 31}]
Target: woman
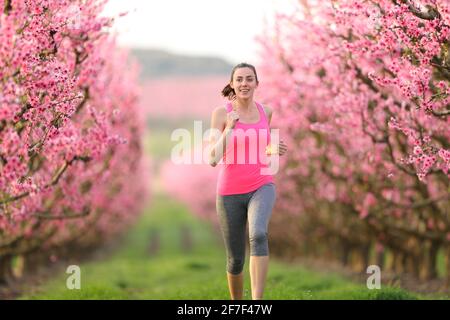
[{"x": 243, "y": 191}]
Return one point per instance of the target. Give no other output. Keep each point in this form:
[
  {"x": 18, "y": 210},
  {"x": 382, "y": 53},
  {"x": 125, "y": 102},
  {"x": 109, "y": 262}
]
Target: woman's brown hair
[{"x": 228, "y": 91}]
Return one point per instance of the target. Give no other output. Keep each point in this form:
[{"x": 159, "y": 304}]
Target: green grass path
[{"x": 171, "y": 272}]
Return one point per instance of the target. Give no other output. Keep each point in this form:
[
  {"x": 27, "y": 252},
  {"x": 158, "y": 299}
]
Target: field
[{"x": 172, "y": 254}]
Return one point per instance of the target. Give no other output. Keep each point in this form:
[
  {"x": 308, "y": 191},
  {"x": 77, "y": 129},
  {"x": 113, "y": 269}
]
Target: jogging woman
[{"x": 244, "y": 191}]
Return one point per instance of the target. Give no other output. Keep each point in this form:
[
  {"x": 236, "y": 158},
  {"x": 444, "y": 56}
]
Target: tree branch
[
  {"x": 47, "y": 216},
  {"x": 85, "y": 99},
  {"x": 54, "y": 181},
  {"x": 444, "y": 113},
  {"x": 8, "y": 7},
  {"x": 430, "y": 14}
]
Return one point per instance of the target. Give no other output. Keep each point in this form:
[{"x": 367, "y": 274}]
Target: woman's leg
[
  {"x": 232, "y": 213},
  {"x": 259, "y": 212},
  {"x": 259, "y": 265},
  {"x": 236, "y": 285}
]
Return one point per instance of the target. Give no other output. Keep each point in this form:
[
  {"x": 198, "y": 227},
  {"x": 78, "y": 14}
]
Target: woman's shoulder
[
  {"x": 220, "y": 110},
  {"x": 220, "y": 113}
]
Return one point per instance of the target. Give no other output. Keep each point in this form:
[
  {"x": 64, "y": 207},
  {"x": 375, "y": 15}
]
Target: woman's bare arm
[
  {"x": 218, "y": 145},
  {"x": 282, "y": 147}
]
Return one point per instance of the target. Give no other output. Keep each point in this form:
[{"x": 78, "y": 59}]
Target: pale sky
[{"x": 224, "y": 28}]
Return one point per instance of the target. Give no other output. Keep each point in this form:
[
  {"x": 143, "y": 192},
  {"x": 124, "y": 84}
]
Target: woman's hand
[
  {"x": 232, "y": 118},
  {"x": 281, "y": 149}
]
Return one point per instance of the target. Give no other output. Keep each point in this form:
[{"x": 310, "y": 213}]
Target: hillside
[{"x": 161, "y": 64}]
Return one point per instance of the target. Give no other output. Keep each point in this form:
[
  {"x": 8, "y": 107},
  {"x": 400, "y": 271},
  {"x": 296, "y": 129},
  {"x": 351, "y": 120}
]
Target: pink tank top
[{"x": 242, "y": 166}]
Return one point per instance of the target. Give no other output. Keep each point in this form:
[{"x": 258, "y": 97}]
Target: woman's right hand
[{"x": 232, "y": 118}]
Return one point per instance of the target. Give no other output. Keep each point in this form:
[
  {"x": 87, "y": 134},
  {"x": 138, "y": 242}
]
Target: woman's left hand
[
  {"x": 282, "y": 148},
  {"x": 274, "y": 149}
]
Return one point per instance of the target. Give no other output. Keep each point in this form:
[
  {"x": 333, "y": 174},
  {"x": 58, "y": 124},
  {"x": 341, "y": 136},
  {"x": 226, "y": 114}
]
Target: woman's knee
[
  {"x": 235, "y": 265},
  {"x": 259, "y": 243}
]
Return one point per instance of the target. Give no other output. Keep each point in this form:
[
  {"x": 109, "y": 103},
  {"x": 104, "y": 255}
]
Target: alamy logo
[
  {"x": 74, "y": 280},
  {"x": 374, "y": 281},
  {"x": 196, "y": 149}
]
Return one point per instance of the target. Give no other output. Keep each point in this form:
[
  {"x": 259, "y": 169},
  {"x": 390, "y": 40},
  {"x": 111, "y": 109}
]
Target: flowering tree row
[
  {"x": 71, "y": 165},
  {"x": 361, "y": 90}
]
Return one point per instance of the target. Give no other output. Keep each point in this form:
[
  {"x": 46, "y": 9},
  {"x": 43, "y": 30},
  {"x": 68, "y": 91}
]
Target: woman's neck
[{"x": 244, "y": 104}]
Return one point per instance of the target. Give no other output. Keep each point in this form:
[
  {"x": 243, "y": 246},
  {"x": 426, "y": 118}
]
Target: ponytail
[{"x": 228, "y": 92}]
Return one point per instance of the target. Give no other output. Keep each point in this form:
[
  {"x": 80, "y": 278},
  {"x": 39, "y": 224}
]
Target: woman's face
[{"x": 244, "y": 83}]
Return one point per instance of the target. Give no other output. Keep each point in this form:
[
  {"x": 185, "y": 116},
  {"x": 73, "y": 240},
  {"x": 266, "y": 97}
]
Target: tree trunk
[
  {"x": 155, "y": 242},
  {"x": 430, "y": 261},
  {"x": 365, "y": 255},
  {"x": 380, "y": 259},
  {"x": 32, "y": 262},
  {"x": 413, "y": 265},
  {"x": 345, "y": 252},
  {"x": 187, "y": 242},
  {"x": 398, "y": 262},
  {"x": 447, "y": 267},
  {"x": 6, "y": 273}
]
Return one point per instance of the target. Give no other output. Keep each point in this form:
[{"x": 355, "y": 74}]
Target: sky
[{"x": 223, "y": 28}]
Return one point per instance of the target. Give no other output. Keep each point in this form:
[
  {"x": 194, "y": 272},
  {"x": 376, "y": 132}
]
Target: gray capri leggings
[{"x": 233, "y": 211}]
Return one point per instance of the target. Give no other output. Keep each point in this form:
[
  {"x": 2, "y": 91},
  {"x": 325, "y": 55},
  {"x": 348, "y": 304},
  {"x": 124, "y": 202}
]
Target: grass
[{"x": 172, "y": 273}]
